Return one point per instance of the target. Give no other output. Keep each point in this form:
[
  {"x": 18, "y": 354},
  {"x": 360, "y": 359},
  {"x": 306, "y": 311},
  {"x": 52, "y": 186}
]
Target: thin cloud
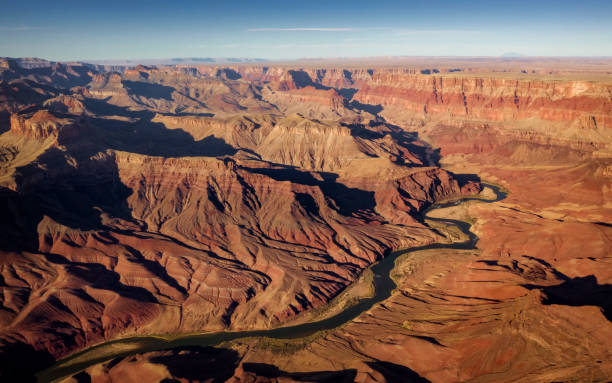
[
  {"x": 433, "y": 31},
  {"x": 312, "y": 29}
]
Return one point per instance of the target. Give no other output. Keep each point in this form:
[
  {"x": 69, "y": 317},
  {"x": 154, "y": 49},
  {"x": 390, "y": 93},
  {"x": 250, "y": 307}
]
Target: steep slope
[
  {"x": 309, "y": 144},
  {"x": 566, "y": 111}
]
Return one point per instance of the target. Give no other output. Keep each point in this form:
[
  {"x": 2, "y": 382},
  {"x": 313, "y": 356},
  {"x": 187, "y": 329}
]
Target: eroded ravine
[{"x": 383, "y": 287}]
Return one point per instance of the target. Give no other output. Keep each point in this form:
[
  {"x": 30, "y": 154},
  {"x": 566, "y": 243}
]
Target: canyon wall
[{"x": 153, "y": 200}]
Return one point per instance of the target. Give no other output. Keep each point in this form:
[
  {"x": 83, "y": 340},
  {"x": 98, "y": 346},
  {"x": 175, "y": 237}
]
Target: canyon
[{"x": 201, "y": 199}]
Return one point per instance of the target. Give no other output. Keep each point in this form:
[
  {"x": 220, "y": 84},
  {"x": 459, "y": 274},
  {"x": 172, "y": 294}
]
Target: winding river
[{"x": 383, "y": 288}]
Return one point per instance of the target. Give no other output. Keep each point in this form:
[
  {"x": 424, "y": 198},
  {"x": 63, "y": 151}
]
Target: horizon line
[{"x": 326, "y": 58}]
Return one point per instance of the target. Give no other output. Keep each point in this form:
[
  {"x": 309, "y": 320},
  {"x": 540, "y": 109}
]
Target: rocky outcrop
[
  {"x": 41, "y": 125},
  {"x": 65, "y": 104},
  {"x": 298, "y": 141}
]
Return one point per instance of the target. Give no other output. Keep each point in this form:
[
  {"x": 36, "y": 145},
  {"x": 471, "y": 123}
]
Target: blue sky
[{"x": 81, "y": 30}]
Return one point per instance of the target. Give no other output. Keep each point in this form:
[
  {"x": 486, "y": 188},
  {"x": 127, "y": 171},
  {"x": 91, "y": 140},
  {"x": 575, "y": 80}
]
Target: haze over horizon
[{"x": 68, "y": 30}]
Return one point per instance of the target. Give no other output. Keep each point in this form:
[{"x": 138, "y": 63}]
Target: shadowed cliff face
[
  {"x": 208, "y": 364},
  {"x": 172, "y": 200},
  {"x": 20, "y": 361},
  {"x": 581, "y": 291}
]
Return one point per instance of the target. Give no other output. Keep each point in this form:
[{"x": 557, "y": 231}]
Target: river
[{"x": 383, "y": 288}]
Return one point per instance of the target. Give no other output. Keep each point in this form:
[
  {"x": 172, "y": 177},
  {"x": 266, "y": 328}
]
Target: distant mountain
[
  {"x": 196, "y": 59},
  {"x": 512, "y": 55},
  {"x": 178, "y": 61}
]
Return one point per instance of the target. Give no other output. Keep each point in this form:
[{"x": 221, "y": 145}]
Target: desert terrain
[{"x": 165, "y": 223}]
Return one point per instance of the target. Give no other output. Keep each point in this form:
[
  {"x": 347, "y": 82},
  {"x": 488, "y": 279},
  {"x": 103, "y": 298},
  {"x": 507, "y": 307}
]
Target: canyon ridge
[{"x": 169, "y": 201}]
